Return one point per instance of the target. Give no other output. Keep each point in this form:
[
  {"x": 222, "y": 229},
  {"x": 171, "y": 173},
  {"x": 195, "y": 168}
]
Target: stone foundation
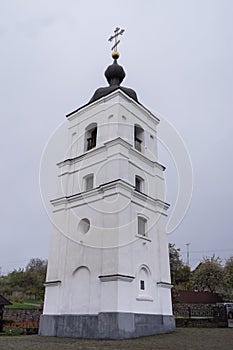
[{"x": 109, "y": 325}]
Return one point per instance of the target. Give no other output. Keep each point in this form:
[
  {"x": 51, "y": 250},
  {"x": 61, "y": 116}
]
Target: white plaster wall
[
  {"x": 77, "y": 259},
  {"x": 126, "y": 260},
  {"x": 52, "y": 299},
  {"x": 116, "y": 116}
]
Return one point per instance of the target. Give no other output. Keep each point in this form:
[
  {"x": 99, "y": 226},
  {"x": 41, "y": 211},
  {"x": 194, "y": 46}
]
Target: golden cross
[{"x": 117, "y": 32}]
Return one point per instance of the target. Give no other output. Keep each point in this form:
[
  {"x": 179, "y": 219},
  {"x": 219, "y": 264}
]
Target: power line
[{"x": 209, "y": 251}]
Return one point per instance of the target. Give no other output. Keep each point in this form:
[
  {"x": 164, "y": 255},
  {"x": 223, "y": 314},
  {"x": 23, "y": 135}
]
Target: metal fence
[{"x": 194, "y": 311}]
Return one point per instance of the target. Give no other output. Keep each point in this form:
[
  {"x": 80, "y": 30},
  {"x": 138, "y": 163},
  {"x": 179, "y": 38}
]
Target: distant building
[{"x": 3, "y": 302}]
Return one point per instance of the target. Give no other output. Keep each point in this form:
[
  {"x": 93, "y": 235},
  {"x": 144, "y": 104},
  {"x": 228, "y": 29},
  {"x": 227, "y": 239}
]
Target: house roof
[
  {"x": 192, "y": 297},
  {"x": 4, "y": 301}
]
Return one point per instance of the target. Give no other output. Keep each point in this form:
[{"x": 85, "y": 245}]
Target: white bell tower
[{"x": 108, "y": 269}]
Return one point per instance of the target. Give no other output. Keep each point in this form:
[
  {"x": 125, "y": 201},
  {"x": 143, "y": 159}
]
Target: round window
[{"x": 84, "y": 226}]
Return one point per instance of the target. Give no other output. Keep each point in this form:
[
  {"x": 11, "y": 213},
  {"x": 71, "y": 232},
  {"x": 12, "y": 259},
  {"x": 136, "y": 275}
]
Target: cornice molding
[
  {"x": 118, "y": 187},
  {"x": 117, "y": 141}
]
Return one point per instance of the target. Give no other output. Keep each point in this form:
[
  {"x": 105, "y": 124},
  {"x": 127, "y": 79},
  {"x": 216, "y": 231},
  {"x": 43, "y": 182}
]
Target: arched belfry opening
[
  {"x": 138, "y": 137},
  {"x": 90, "y": 136}
]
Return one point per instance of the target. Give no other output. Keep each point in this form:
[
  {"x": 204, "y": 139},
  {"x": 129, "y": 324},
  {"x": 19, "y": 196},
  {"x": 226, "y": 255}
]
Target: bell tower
[{"x": 108, "y": 269}]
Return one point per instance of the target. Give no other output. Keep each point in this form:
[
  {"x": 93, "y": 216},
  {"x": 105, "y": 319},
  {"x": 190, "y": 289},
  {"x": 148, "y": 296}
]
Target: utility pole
[{"x": 187, "y": 253}]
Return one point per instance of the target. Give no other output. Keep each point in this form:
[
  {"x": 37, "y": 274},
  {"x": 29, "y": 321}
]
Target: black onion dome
[{"x": 114, "y": 75}]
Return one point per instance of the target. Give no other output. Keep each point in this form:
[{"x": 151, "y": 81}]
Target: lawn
[
  {"x": 182, "y": 339},
  {"x": 23, "y": 305}
]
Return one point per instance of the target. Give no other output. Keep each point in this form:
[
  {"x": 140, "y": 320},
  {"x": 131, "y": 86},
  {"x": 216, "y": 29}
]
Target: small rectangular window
[
  {"x": 142, "y": 285},
  {"x": 89, "y": 182},
  {"x": 141, "y": 226},
  {"x": 139, "y": 184}
]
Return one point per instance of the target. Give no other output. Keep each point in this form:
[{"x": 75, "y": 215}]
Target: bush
[
  {"x": 8, "y": 321},
  {"x": 12, "y": 330}
]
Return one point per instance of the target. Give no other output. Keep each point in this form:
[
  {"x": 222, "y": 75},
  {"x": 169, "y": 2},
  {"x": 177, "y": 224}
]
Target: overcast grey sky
[{"x": 178, "y": 56}]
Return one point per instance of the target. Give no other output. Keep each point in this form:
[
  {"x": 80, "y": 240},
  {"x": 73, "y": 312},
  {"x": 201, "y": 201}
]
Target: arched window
[
  {"x": 142, "y": 226},
  {"x": 139, "y": 184},
  {"x": 144, "y": 283},
  {"x": 138, "y": 137},
  {"x": 90, "y": 136}
]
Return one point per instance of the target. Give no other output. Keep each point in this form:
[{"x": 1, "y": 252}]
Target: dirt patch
[{"x": 182, "y": 339}]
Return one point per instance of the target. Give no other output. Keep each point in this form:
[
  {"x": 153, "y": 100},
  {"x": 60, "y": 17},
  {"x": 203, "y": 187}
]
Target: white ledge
[
  {"x": 52, "y": 283},
  {"x": 164, "y": 284},
  {"x": 143, "y": 237},
  {"x": 144, "y": 298},
  {"x": 116, "y": 277}
]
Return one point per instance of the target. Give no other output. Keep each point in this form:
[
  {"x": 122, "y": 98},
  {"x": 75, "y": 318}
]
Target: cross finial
[{"x": 117, "y": 32}]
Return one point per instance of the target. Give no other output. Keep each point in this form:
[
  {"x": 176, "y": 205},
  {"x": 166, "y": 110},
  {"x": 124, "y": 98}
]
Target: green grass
[{"x": 23, "y": 305}]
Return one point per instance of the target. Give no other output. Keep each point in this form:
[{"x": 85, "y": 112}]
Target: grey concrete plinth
[{"x": 107, "y": 325}]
